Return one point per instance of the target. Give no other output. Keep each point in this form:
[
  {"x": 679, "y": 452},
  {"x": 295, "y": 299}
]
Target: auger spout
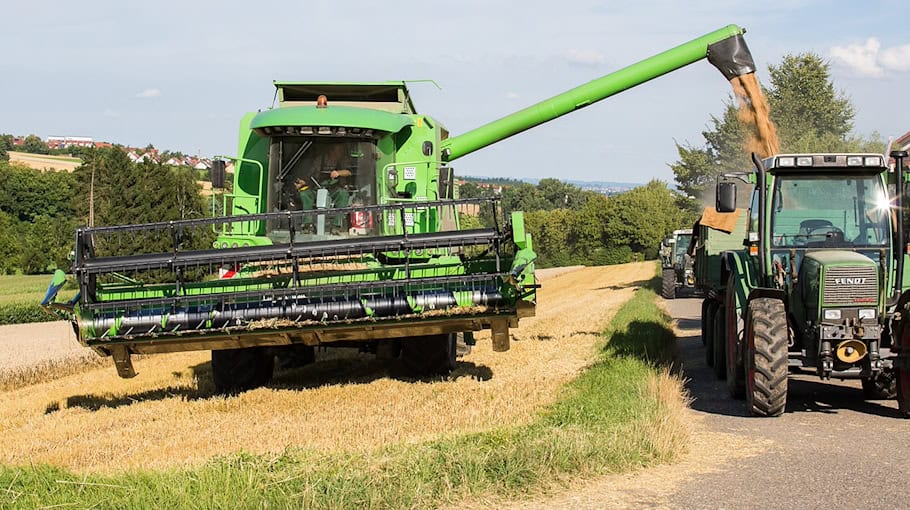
[{"x": 725, "y": 48}]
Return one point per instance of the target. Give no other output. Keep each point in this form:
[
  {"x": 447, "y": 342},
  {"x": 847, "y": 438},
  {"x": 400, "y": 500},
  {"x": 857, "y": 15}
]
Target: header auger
[{"x": 341, "y": 228}]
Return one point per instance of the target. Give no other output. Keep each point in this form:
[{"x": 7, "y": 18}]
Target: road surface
[{"x": 830, "y": 449}]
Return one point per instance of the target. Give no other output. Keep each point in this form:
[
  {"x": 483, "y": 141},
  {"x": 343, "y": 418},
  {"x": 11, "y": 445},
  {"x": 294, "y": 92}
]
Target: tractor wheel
[
  {"x": 237, "y": 370},
  {"x": 429, "y": 355},
  {"x": 736, "y": 374},
  {"x": 903, "y": 393},
  {"x": 766, "y": 357},
  {"x": 720, "y": 348},
  {"x": 707, "y": 331},
  {"x": 704, "y": 319},
  {"x": 668, "y": 290},
  {"x": 881, "y": 387}
]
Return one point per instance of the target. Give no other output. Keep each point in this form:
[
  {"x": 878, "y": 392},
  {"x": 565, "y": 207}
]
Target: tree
[
  {"x": 804, "y": 102},
  {"x": 641, "y": 217},
  {"x": 4, "y": 148},
  {"x": 35, "y": 145},
  {"x": 810, "y": 117}
]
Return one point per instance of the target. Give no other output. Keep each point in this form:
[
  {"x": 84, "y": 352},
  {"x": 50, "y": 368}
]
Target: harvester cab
[
  {"x": 817, "y": 284},
  {"x": 341, "y": 227}
]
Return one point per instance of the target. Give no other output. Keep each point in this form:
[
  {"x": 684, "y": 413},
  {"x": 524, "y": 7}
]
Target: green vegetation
[
  {"x": 610, "y": 419},
  {"x": 20, "y": 296},
  {"x": 810, "y": 114},
  {"x": 575, "y": 227}
]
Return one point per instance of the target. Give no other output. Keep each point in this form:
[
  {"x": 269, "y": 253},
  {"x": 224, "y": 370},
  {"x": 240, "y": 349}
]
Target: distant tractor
[
  {"x": 816, "y": 282},
  {"x": 676, "y": 264}
]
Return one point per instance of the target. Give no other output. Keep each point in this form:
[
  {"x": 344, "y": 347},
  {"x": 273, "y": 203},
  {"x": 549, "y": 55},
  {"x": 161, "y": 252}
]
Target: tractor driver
[{"x": 325, "y": 169}]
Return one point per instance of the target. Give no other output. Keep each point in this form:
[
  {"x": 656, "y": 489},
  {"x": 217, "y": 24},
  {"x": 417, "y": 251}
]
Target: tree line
[{"x": 40, "y": 210}]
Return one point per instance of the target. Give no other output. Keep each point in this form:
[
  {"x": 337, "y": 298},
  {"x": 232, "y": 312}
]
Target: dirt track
[{"x": 168, "y": 416}]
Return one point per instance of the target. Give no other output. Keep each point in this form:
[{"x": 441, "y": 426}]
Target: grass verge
[{"x": 619, "y": 414}]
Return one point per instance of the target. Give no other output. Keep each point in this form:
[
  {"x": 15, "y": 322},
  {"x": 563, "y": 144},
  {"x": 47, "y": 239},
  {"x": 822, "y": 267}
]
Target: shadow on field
[
  {"x": 96, "y": 402},
  {"x": 640, "y": 283},
  {"x": 337, "y": 370}
]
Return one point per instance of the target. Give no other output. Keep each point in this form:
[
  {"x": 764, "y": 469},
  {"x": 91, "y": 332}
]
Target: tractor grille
[{"x": 846, "y": 285}]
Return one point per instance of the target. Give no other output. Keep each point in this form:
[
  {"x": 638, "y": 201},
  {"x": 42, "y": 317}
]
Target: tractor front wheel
[
  {"x": 668, "y": 290},
  {"x": 766, "y": 357}
]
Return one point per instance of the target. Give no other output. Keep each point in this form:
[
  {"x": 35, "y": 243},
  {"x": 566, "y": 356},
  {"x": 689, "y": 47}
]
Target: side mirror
[
  {"x": 218, "y": 174},
  {"x": 726, "y": 197}
]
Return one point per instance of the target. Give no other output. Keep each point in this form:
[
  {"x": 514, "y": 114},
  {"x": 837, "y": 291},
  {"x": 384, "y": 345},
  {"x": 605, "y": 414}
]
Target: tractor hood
[{"x": 839, "y": 278}]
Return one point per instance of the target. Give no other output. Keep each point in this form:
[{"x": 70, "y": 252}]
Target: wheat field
[{"x": 168, "y": 416}]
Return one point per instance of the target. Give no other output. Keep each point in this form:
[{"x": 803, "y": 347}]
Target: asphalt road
[{"x": 830, "y": 449}]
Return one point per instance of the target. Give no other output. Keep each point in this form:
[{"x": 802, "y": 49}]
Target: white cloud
[
  {"x": 896, "y": 58},
  {"x": 585, "y": 57},
  {"x": 113, "y": 114},
  {"x": 512, "y": 95},
  {"x": 861, "y": 58},
  {"x": 870, "y": 59},
  {"x": 147, "y": 93}
]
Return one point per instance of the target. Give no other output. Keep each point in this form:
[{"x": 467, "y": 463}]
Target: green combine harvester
[{"x": 341, "y": 228}]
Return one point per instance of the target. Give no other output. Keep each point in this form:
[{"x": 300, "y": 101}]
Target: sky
[{"x": 180, "y": 75}]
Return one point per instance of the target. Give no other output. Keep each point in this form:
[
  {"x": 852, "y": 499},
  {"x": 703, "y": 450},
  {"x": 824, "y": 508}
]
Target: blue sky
[{"x": 180, "y": 75}]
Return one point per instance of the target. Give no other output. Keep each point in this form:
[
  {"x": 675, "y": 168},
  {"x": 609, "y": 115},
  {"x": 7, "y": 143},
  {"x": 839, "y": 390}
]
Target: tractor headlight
[
  {"x": 832, "y": 315},
  {"x": 867, "y": 313}
]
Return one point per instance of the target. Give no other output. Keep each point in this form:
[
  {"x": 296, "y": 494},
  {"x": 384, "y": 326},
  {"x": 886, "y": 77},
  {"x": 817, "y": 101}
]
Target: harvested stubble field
[{"x": 167, "y": 416}]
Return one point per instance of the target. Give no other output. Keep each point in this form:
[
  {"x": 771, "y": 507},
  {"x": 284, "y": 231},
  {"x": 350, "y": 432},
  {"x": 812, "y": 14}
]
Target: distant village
[{"x": 136, "y": 154}]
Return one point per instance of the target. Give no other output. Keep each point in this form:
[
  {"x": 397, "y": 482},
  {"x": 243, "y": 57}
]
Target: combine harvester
[{"x": 341, "y": 229}]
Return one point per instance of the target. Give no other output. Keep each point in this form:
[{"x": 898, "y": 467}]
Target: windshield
[
  {"x": 321, "y": 173},
  {"x": 829, "y": 212},
  {"x": 682, "y": 244}
]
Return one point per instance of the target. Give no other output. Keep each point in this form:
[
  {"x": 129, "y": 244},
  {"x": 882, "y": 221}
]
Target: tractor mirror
[
  {"x": 726, "y": 197},
  {"x": 218, "y": 174}
]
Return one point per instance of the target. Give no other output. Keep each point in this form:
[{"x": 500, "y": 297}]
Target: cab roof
[{"x": 390, "y": 96}]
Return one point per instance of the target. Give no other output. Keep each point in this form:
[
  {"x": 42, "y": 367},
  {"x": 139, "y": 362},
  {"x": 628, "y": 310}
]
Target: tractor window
[
  {"x": 308, "y": 173},
  {"x": 829, "y": 212}
]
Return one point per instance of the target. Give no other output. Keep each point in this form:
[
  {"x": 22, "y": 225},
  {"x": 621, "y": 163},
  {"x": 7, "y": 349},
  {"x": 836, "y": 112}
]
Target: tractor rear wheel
[
  {"x": 766, "y": 357},
  {"x": 237, "y": 370},
  {"x": 736, "y": 374},
  {"x": 720, "y": 347},
  {"x": 668, "y": 290},
  {"x": 429, "y": 355},
  {"x": 881, "y": 387},
  {"x": 707, "y": 331}
]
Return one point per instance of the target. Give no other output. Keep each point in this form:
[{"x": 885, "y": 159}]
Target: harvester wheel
[
  {"x": 719, "y": 350},
  {"x": 429, "y": 355},
  {"x": 903, "y": 393},
  {"x": 881, "y": 387},
  {"x": 707, "y": 331},
  {"x": 736, "y": 374},
  {"x": 236, "y": 370},
  {"x": 668, "y": 290},
  {"x": 766, "y": 357}
]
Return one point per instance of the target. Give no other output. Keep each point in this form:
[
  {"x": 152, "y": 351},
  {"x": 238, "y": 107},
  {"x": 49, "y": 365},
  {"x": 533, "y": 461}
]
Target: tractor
[
  {"x": 676, "y": 264},
  {"x": 818, "y": 281}
]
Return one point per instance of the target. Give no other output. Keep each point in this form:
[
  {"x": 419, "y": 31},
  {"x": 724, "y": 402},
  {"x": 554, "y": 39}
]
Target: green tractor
[
  {"x": 820, "y": 283},
  {"x": 676, "y": 264},
  {"x": 340, "y": 228}
]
